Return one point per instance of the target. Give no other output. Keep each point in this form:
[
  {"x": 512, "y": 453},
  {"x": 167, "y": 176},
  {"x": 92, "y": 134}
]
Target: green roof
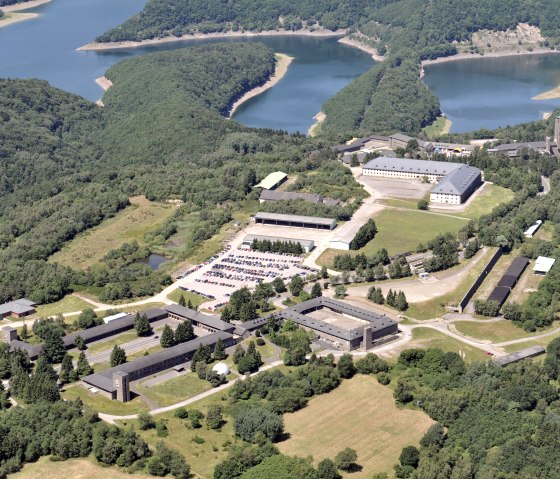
[{"x": 272, "y": 180}]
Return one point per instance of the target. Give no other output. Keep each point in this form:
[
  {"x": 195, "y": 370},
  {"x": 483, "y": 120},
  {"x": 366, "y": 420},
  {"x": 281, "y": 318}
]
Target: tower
[
  {"x": 121, "y": 382},
  {"x": 9, "y": 334},
  {"x": 368, "y": 338},
  {"x": 557, "y": 131}
]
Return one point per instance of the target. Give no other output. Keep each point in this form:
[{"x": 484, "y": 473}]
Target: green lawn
[
  {"x": 437, "y": 128},
  {"x": 99, "y": 403},
  {"x": 113, "y": 341},
  {"x": 429, "y": 338},
  {"x": 496, "y": 332},
  {"x": 485, "y": 202},
  {"x": 436, "y": 307},
  {"x": 68, "y": 304},
  {"x": 139, "y": 354},
  {"x": 512, "y": 348},
  {"x": 195, "y": 299},
  {"x": 176, "y": 389},
  {"x": 400, "y": 231}
]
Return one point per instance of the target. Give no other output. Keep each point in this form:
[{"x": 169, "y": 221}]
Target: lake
[
  {"x": 46, "y": 48},
  {"x": 154, "y": 261},
  {"x": 493, "y": 92}
]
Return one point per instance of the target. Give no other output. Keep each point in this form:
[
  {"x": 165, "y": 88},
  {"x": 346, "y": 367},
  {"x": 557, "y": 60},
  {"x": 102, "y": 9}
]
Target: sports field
[
  {"x": 131, "y": 224},
  {"x": 360, "y": 414}
]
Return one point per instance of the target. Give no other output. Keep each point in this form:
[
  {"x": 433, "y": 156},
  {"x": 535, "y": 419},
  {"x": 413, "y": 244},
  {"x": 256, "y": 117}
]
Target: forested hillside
[
  {"x": 390, "y": 96},
  {"x": 65, "y": 164},
  {"x": 4, "y": 3}
]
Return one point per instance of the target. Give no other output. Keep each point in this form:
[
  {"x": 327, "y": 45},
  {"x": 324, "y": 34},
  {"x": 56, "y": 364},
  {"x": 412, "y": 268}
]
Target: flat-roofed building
[
  {"x": 18, "y": 308},
  {"x": 531, "y": 231},
  {"x": 208, "y": 322},
  {"x": 359, "y": 328},
  {"x": 520, "y": 355},
  {"x": 543, "y": 265},
  {"x": 346, "y": 234},
  {"x": 295, "y": 221},
  {"x": 273, "y": 195},
  {"x": 307, "y": 245},
  {"x": 144, "y": 366},
  {"x": 455, "y": 182},
  {"x": 272, "y": 181}
]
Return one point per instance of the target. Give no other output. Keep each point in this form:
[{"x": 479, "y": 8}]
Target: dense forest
[
  {"x": 66, "y": 164},
  {"x": 5, "y": 3}
]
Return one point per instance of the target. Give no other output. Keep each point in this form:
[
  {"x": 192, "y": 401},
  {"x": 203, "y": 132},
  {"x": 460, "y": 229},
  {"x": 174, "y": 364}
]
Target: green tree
[
  {"x": 214, "y": 418},
  {"x": 142, "y": 325},
  {"x": 327, "y": 469},
  {"x": 184, "y": 332},
  {"x": 346, "y": 367},
  {"x": 316, "y": 291},
  {"x": 146, "y": 421},
  {"x": 296, "y": 285},
  {"x": 67, "y": 372},
  {"x": 182, "y": 301},
  {"x": 219, "y": 350},
  {"x": 118, "y": 356},
  {"x": 238, "y": 354},
  {"x": 53, "y": 346},
  {"x": 346, "y": 459},
  {"x": 340, "y": 291},
  {"x": 410, "y": 456},
  {"x": 400, "y": 302},
  {"x": 24, "y": 333},
  {"x": 80, "y": 343},
  {"x": 167, "y": 339},
  {"x": 83, "y": 368},
  {"x": 87, "y": 319},
  {"x": 279, "y": 285},
  {"x": 423, "y": 204}
]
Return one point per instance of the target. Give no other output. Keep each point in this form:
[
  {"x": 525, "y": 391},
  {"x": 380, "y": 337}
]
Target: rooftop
[
  {"x": 458, "y": 181},
  {"x": 303, "y": 242},
  {"x": 428, "y": 167},
  {"x": 273, "y": 195},
  {"x": 18, "y": 306},
  {"x": 211, "y": 321},
  {"x": 272, "y": 180},
  {"x": 543, "y": 264},
  {"x": 295, "y": 218},
  {"x": 519, "y": 355},
  {"x": 347, "y": 232}
]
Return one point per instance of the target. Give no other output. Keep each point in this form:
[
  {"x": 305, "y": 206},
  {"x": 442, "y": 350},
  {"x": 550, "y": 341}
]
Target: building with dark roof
[
  {"x": 295, "y": 221},
  {"x": 110, "y": 382},
  {"x": 18, "y": 308},
  {"x": 208, "y": 322},
  {"x": 369, "y": 326},
  {"x": 520, "y": 355},
  {"x": 499, "y": 294},
  {"x": 455, "y": 182}
]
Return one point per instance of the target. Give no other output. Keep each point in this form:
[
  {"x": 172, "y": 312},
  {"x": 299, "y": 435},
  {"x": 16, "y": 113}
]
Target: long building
[
  {"x": 306, "y": 245},
  {"x": 370, "y": 326},
  {"x": 455, "y": 182},
  {"x": 114, "y": 383},
  {"x": 520, "y": 355},
  {"x": 295, "y": 221},
  {"x": 274, "y": 195}
]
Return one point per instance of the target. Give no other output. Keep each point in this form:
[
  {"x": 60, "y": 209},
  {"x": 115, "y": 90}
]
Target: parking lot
[
  {"x": 242, "y": 267},
  {"x": 397, "y": 188}
]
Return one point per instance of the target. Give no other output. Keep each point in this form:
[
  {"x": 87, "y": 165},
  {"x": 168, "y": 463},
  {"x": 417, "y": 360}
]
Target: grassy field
[
  {"x": 436, "y": 307},
  {"x": 439, "y": 127},
  {"x": 484, "y": 203},
  {"x": 175, "y": 390},
  {"x": 68, "y": 304},
  {"x": 131, "y": 224},
  {"x": 194, "y": 298},
  {"x": 360, "y": 414},
  {"x": 512, "y": 348},
  {"x": 496, "y": 332},
  {"x": 72, "y": 468},
  {"x": 113, "y": 341},
  {"x": 429, "y": 338},
  {"x": 100, "y": 403},
  {"x": 400, "y": 231},
  {"x": 152, "y": 350}
]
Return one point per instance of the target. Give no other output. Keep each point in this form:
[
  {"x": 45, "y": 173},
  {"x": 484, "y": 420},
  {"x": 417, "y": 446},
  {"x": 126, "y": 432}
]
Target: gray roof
[
  {"x": 304, "y": 243},
  {"x": 273, "y": 195},
  {"x": 32, "y": 349},
  {"x": 519, "y": 355},
  {"x": 347, "y": 232},
  {"x": 115, "y": 327},
  {"x": 428, "y": 167},
  {"x": 458, "y": 181},
  {"x": 211, "y": 321},
  {"x": 530, "y": 145},
  {"x": 104, "y": 379},
  {"x": 401, "y": 137},
  {"x": 347, "y": 157},
  {"x": 295, "y": 218},
  {"x": 18, "y": 306},
  {"x": 297, "y": 314}
]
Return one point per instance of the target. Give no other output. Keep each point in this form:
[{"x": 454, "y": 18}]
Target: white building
[
  {"x": 543, "y": 265},
  {"x": 455, "y": 182},
  {"x": 533, "y": 229}
]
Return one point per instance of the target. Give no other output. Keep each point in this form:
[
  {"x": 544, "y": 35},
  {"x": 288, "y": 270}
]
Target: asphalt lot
[{"x": 397, "y": 188}]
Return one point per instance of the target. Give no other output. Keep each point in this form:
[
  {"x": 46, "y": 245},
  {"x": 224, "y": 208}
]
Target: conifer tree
[
  {"x": 142, "y": 325},
  {"x": 67, "y": 372},
  {"x": 167, "y": 338},
  {"x": 182, "y": 301},
  {"x": 219, "y": 350},
  {"x": 118, "y": 356},
  {"x": 184, "y": 332},
  {"x": 83, "y": 368}
]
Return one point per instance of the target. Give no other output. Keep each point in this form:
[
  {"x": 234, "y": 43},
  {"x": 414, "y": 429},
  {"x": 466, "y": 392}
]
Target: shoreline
[
  {"x": 281, "y": 68},
  {"x": 104, "y": 83},
  {"x": 552, "y": 94},
  {"x": 23, "y": 6},
  {"x": 363, "y": 47},
  {"x": 319, "y": 118},
  {"x": 472, "y": 56},
  {"x": 11, "y": 18},
  {"x": 202, "y": 36}
]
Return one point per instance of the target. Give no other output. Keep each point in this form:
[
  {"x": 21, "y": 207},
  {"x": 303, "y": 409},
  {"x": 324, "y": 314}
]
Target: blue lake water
[{"x": 486, "y": 92}]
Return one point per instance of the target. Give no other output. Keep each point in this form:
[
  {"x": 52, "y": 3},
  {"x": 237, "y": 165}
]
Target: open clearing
[
  {"x": 195, "y": 299},
  {"x": 68, "y": 304},
  {"x": 99, "y": 403},
  {"x": 72, "y": 468},
  {"x": 131, "y": 224},
  {"x": 484, "y": 203},
  {"x": 175, "y": 390},
  {"x": 360, "y": 414},
  {"x": 495, "y": 331}
]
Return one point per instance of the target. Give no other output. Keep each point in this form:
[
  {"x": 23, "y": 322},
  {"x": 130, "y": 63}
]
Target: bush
[
  {"x": 260, "y": 342},
  {"x": 251, "y": 421},
  {"x": 383, "y": 378},
  {"x": 146, "y": 422}
]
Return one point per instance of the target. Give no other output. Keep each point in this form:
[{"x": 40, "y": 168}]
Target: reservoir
[
  {"x": 474, "y": 93},
  {"x": 154, "y": 261},
  {"x": 45, "y": 48},
  {"x": 494, "y": 92}
]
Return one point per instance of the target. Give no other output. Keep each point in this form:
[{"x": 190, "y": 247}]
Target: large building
[
  {"x": 114, "y": 383},
  {"x": 272, "y": 181},
  {"x": 18, "y": 308},
  {"x": 273, "y": 195},
  {"x": 346, "y": 326},
  {"x": 455, "y": 182},
  {"x": 306, "y": 245},
  {"x": 295, "y": 221},
  {"x": 346, "y": 234}
]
